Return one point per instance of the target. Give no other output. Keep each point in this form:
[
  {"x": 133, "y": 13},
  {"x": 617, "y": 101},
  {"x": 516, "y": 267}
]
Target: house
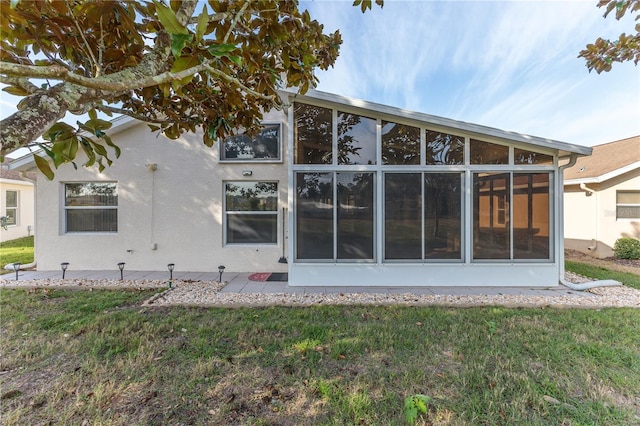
[
  {"x": 346, "y": 192},
  {"x": 602, "y": 198},
  {"x": 16, "y": 204}
]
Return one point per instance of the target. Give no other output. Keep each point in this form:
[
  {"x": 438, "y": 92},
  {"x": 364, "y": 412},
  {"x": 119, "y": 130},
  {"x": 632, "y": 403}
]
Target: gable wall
[
  {"x": 177, "y": 208},
  {"x": 591, "y": 221}
]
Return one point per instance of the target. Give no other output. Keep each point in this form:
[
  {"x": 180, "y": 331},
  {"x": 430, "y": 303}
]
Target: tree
[
  {"x": 172, "y": 66},
  {"x": 601, "y": 55}
]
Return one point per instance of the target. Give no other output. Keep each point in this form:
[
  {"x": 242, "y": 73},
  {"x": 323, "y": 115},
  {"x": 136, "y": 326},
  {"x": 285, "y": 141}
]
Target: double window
[
  {"x": 251, "y": 212},
  {"x": 335, "y": 216},
  {"x": 263, "y": 146},
  {"x": 511, "y": 216},
  {"x": 422, "y": 216},
  {"x": 91, "y": 207},
  {"x": 628, "y": 204},
  {"x": 11, "y": 207}
]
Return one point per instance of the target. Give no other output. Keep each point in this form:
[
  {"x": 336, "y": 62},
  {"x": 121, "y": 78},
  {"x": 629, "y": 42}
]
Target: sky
[{"x": 511, "y": 65}]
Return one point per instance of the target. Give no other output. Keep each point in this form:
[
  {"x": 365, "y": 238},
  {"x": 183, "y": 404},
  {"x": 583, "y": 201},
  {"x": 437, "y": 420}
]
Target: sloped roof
[
  {"x": 16, "y": 175},
  {"x": 607, "y": 161},
  {"x": 564, "y": 149}
]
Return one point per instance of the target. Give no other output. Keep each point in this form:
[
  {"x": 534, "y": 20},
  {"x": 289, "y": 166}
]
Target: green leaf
[
  {"x": 43, "y": 166},
  {"x": 235, "y": 59},
  {"x": 203, "y": 21},
  {"x": 100, "y": 150},
  {"x": 115, "y": 147},
  {"x": 16, "y": 91},
  {"x": 88, "y": 150},
  {"x": 168, "y": 20},
  {"x": 59, "y": 131},
  {"x": 177, "y": 43},
  {"x": 222, "y": 49}
]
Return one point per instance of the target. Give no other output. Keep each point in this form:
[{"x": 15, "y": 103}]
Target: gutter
[{"x": 562, "y": 280}]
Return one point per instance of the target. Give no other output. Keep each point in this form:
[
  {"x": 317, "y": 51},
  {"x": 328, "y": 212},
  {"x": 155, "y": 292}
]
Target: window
[
  {"x": 491, "y": 225},
  {"x": 522, "y": 156},
  {"x": 313, "y": 134},
  {"x": 326, "y": 230},
  {"x": 531, "y": 221},
  {"x": 511, "y": 218},
  {"x": 251, "y": 212},
  {"x": 91, "y": 207},
  {"x": 628, "y": 205},
  {"x": 443, "y": 149},
  {"x": 400, "y": 144},
  {"x": 488, "y": 153},
  {"x": 356, "y": 139},
  {"x": 265, "y": 146},
  {"x": 11, "y": 208},
  {"x": 422, "y": 216}
]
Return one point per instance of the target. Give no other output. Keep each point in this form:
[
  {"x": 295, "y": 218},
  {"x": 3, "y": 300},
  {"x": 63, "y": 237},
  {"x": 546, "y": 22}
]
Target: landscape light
[
  {"x": 170, "y": 266},
  {"x": 16, "y": 267},
  {"x": 121, "y": 267},
  {"x": 220, "y": 271},
  {"x": 64, "y": 266}
]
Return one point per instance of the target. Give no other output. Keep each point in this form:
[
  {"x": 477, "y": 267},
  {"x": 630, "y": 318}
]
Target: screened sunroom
[{"x": 385, "y": 197}]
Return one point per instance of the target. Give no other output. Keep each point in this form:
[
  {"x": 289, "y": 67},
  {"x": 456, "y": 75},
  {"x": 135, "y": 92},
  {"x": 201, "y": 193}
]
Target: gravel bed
[{"x": 207, "y": 293}]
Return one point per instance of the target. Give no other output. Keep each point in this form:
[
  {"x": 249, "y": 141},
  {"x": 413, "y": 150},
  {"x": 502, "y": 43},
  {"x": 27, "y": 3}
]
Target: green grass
[
  {"x": 592, "y": 271},
  {"x": 70, "y": 356},
  {"x": 20, "y": 250}
]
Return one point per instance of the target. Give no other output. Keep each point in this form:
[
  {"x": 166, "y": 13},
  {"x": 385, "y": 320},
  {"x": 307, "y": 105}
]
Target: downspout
[
  {"x": 562, "y": 280},
  {"x": 9, "y": 266},
  {"x": 590, "y": 192}
]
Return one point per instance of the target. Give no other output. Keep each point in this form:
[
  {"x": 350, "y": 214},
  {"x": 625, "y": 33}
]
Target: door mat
[
  {"x": 278, "y": 276},
  {"x": 259, "y": 276},
  {"x": 269, "y": 276}
]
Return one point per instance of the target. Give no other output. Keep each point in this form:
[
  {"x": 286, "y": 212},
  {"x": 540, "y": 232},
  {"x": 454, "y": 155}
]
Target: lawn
[
  {"x": 20, "y": 250},
  {"x": 598, "y": 272},
  {"x": 75, "y": 356}
]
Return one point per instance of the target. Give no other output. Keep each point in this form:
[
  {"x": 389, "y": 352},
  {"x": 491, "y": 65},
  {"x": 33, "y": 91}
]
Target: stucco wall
[
  {"x": 177, "y": 209},
  {"x": 594, "y": 217},
  {"x": 25, "y": 225}
]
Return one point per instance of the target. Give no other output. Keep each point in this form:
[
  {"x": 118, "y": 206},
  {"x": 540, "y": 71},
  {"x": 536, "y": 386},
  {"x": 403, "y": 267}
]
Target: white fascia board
[
  {"x": 15, "y": 182},
  {"x": 564, "y": 149},
  {"x": 26, "y": 162},
  {"x": 605, "y": 177}
]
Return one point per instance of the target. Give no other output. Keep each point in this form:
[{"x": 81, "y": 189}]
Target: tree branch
[
  {"x": 96, "y": 64},
  {"x": 235, "y": 20},
  {"x": 22, "y": 83},
  {"x": 110, "y": 109}
]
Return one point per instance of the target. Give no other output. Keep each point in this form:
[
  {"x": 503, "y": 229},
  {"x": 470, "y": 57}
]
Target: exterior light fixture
[
  {"x": 121, "y": 267},
  {"x": 170, "y": 267},
  {"x": 220, "y": 271},
  {"x": 64, "y": 266},
  {"x": 16, "y": 267}
]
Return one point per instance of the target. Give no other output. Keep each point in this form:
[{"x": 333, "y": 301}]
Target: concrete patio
[{"x": 241, "y": 284}]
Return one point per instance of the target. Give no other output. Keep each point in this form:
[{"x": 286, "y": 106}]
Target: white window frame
[
  {"x": 263, "y": 125},
  {"x": 226, "y": 214},
  {"x": 65, "y": 208},
  {"x": 12, "y": 208}
]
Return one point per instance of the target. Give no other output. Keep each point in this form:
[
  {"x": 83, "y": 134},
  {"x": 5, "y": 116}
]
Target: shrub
[{"x": 627, "y": 248}]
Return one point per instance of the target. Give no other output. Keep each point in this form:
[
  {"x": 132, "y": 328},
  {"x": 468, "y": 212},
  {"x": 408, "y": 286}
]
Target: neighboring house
[
  {"x": 351, "y": 192},
  {"x": 602, "y": 198},
  {"x": 16, "y": 203}
]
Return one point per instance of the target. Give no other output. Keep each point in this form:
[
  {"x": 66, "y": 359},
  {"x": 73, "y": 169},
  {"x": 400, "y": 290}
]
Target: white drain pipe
[{"x": 563, "y": 281}]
